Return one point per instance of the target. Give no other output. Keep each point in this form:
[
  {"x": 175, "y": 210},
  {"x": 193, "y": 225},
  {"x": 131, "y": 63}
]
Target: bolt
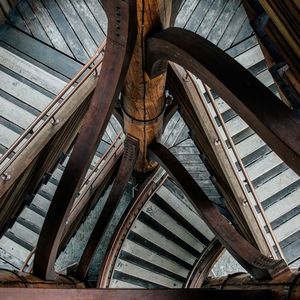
[
  {"x": 217, "y": 142},
  {"x": 54, "y": 121},
  {"x": 5, "y": 176},
  {"x": 186, "y": 77}
]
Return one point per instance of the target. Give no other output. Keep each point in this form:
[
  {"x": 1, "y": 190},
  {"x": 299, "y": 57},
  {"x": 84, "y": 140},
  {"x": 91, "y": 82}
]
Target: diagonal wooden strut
[
  {"x": 145, "y": 192},
  {"x": 119, "y": 47},
  {"x": 257, "y": 264},
  {"x": 131, "y": 147},
  {"x": 195, "y": 113},
  {"x": 204, "y": 264},
  {"x": 278, "y": 126}
]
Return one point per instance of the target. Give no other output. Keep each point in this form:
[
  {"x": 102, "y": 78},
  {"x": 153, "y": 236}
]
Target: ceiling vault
[{"x": 148, "y": 74}]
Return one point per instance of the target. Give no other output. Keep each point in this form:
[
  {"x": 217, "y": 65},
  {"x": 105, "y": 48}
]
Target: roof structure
[{"x": 127, "y": 159}]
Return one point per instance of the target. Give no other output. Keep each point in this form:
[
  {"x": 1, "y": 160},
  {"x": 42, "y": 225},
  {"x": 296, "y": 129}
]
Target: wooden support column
[{"x": 143, "y": 102}]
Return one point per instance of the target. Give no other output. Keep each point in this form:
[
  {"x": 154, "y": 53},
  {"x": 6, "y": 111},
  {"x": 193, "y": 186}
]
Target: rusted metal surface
[
  {"x": 204, "y": 264},
  {"x": 145, "y": 192},
  {"x": 131, "y": 147},
  {"x": 278, "y": 126},
  {"x": 257, "y": 264},
  {"x": 119, "y": 46},
  {"x": 122, "y": 294}
]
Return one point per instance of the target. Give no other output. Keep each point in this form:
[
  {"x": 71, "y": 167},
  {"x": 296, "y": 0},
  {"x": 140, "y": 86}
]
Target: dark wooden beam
[
  {"x": 131, "y": 148},
  {"x": 192, "y": 108},
  {"x": 121, "y": 294},
  {"x": 257, "y": 105},
  {"x": 96, "y": 189},
  {"x": 145, "y": 191},
  {"x": 257, "y": 264},
  {"x": 29, "y": 181},
  {"x": 204, "y": 264},
  {"x": 287, "y": 286},
  {"x": 119, "y": 47},
  {"x": 13, "y": 279}
]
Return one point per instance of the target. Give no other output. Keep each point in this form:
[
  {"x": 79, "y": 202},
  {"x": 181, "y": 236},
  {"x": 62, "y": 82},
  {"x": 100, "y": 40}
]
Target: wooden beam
[
  {"x": 286, "y": 286},
  {"x": 13, "y": 201},
  {"x": 121, "y": 294},
  {"x": 93, "y": 190},
  {"x": 191, "y": 101},
  {"x": 120, "y": 41},
  {"x": 204, "y": 264},
  {"x": 31, "y": 152},
  {"x": 206, "y": 147},
  {"x": 131, "y": 147},
  {"x": 257, "y": 264},
  {"x": 143, "y": 99},
  {"x": 277, "y": 125},
  {"x": 13, "y": 279},
  {"x": 145, "y": 192}
]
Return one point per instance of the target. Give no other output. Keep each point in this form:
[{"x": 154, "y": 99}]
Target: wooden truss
[{"x": 138, "y": 50}]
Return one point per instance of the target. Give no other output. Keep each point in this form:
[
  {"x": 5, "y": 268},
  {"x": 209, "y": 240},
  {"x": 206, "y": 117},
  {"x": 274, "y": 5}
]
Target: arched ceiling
[{"x": 42, "y": 46}]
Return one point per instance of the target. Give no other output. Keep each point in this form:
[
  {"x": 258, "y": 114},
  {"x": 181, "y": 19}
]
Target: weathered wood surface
[
  {"x": 143, "y": 98},
  {"x": 125, "y": 294},
  {"x": 265, "y": 113},
  {"x": 257, "y": 264},
  {"x": 119, "y": 47},
  {"x": 6, "y": 6},
  {"x": 131, "y": 147},
  {"x": 47, "y": 133},
  {"x": 219, "y": 153}
]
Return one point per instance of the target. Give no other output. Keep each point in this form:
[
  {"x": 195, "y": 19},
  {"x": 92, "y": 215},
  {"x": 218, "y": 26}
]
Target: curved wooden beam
[
  {"x": 84, "y": 203},
  {"x": 204, "y": 264},
  {"x": 195, "y": 113},
  {"x": 146, "y": 190},
  {"x": 119, "y": 47},
  {"x": 131, "y": 148},
  {"x": 277, "y": 125},
  {"x": 257, "y": 264}
]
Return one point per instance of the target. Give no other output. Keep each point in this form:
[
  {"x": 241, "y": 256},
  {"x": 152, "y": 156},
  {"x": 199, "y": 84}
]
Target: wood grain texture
[{"x": 143, "y": 98}]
